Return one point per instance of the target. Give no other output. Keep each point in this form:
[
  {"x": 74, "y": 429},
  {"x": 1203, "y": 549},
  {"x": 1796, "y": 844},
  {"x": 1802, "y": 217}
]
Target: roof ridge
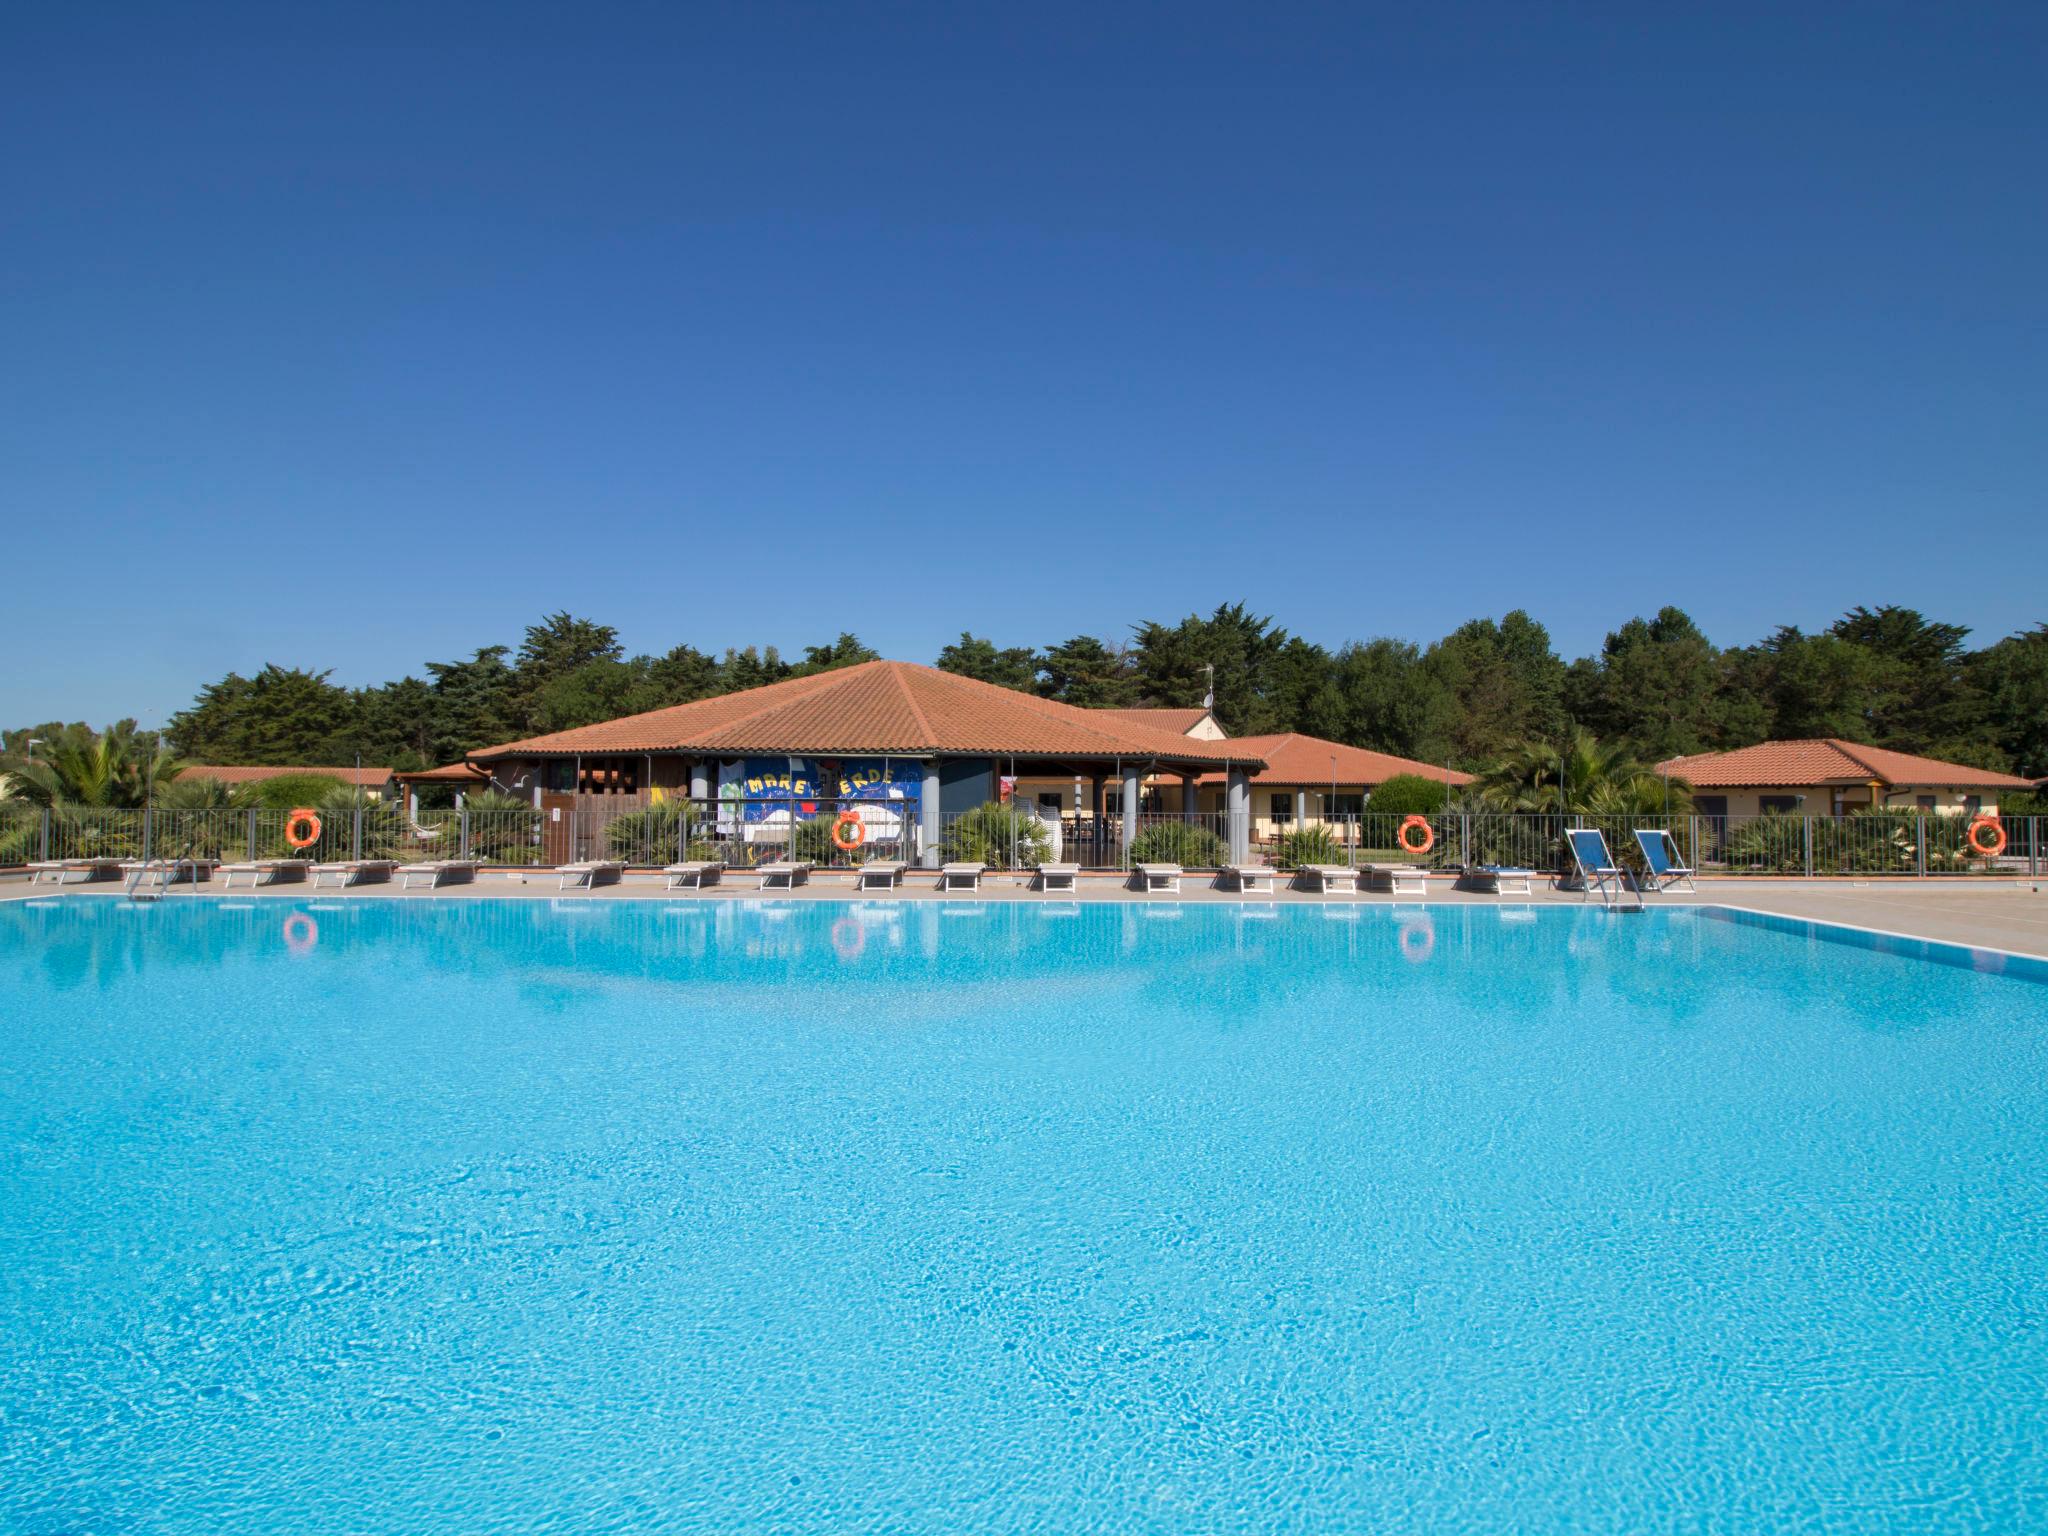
[
  {"x": 902, "y": 682},
  {"x": 755, "y": 714},
  {"x": 1065, "y": 714},
  {"x": 787, "y": 684}
]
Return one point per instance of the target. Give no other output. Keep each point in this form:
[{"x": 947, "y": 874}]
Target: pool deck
[{"x": 2005, "y": 914}]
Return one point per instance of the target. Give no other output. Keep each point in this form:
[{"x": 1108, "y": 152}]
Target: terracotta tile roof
[
  {"x": 1829, "y": 760},
  {"x": 878, "y": 707},
  {"x": 1179, "y": 721},
  {"x": 1292, "y": 758},
  {"x": 366, "y": 778}
]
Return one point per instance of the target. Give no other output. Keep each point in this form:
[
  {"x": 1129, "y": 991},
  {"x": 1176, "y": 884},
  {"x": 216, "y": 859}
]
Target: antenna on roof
[{"x": 1209, "y": 697}]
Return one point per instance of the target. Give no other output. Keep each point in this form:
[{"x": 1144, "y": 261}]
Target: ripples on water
[{"x": 712, "y": 1215}]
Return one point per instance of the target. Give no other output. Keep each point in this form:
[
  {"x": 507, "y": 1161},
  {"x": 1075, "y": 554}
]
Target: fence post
[
  {"x": 464, "y": 854},
  {"x": 1920, "y": 843},
  {"x": 148, "y": 829},
  {"x": 1806, "y": 830},
  {"x": 1692, "y": 829},
  {"x": 355, "y": 844},
  {"x": 2034, "y": 847},
  {"x": 252, "y": 834},
  {"x": 45, "y": 854}
]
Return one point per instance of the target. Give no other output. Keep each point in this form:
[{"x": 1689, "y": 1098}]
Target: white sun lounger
[
  {"x": 786, "y": 873},
  {"x": 1327, "y": 879},
  {"x": 437, "y": 872},
  {"x": 1157, "y": 877},
  {"x": 266, "y": 872},
  {"x": 694, "y": 873},
  {"x": 960, "y": 877},
  {"x": 1398, "y": 878},
  {"x": 1058, "y": 877},
  {"x": 878, "y": 875},
  {"x": 355, "y": 871},
  {"x": 1501, "y": 879},
  {"x": 590, "y": 873},
  {"x": 91, "y": 869},
  {"x": 1246, "y": 877},
  {"x": 171, "y": 871}
]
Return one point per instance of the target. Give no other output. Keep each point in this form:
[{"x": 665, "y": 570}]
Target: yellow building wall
[{"x": 1824, "y": 800}]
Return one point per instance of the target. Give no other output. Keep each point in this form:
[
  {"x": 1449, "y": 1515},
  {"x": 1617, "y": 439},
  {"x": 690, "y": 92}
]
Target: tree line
[{"x": 1658, "y": 687}]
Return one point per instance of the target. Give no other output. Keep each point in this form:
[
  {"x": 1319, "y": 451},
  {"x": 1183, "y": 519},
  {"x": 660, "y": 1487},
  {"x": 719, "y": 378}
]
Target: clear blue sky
[{"x": 752, "y": 324}]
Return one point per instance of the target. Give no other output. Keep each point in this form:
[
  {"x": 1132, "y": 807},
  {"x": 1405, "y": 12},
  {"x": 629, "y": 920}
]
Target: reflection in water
[
  {"x": 849, "y": 939},
  {"x": 476, "y": 1195},
  {"x": 1549, "y": 957},
  {"x": 1418, "y": 937}
]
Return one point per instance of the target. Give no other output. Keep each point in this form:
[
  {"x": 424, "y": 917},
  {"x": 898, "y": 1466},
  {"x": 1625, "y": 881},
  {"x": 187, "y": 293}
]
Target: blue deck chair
[
  {"x": 1597, "y": 868},
  {"x": 1660, "y": 852}
]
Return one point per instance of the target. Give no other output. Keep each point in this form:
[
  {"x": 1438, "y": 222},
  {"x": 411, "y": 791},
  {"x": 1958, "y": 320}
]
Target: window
[
  {"x": 1972, "y": 804},
  {"x": 1283, "y": 807},
  {"x": 1112, "y": 802},
  {"x": 1050, "y": 801},
  {"x": 1924, "y": 802},
  {"x": 1348, "y": 806},
  {"x": 1777, "y": 805}
]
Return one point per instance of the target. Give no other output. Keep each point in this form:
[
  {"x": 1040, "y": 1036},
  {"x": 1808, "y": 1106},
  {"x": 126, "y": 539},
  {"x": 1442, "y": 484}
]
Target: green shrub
[
  {"x": 987, "y": 834},
  {"x": 1179, "y": 842},
  {"x": 1316, "y": 844},
  {"x": 195, "y": 794},
  {"x": 288, "y": 791},
  {"x": 1408, "y": 794},
  {"x": 652, "y": 835},
  {"x": 503, "y": 829}
]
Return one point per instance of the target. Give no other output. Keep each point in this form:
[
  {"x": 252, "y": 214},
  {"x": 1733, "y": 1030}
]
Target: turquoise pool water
[{"x": 729, "y": 1216}]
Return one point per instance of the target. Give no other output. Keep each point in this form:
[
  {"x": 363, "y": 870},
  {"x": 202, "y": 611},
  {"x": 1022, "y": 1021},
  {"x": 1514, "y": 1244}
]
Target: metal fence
[{"x": 998, "y": 835}]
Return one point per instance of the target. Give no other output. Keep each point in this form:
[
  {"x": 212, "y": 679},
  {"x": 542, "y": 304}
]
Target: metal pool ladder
[{"x": 166, "y": 872}]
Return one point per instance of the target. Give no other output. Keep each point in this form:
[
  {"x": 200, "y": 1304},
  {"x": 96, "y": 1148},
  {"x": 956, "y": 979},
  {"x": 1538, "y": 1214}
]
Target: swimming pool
[{"x": 732, "y": 1215}]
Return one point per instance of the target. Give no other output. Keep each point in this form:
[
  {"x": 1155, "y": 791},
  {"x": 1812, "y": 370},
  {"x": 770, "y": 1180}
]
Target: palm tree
[
  {"x": 1584, "y": 777},
  {"x": 196, "y": 792},
  {"x": 113, "y": 769}
]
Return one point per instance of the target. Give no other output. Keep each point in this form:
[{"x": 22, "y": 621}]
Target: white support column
[
  {"x": 700, "y": 780},
  {"x": 1237, "y": 800},
  {"x": 1129, "y": 818},
  {"x": 928, "y": 816}
]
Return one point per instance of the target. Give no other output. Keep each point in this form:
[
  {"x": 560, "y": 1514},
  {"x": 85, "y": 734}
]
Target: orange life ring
[
  {"x": 1995, "y": 846},
  {"x": 848, "y": 831},
  {"x": 301, "y": 933},
  {"x": 294, "y": 836},
  {"x": 1415, "y": 823}
]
